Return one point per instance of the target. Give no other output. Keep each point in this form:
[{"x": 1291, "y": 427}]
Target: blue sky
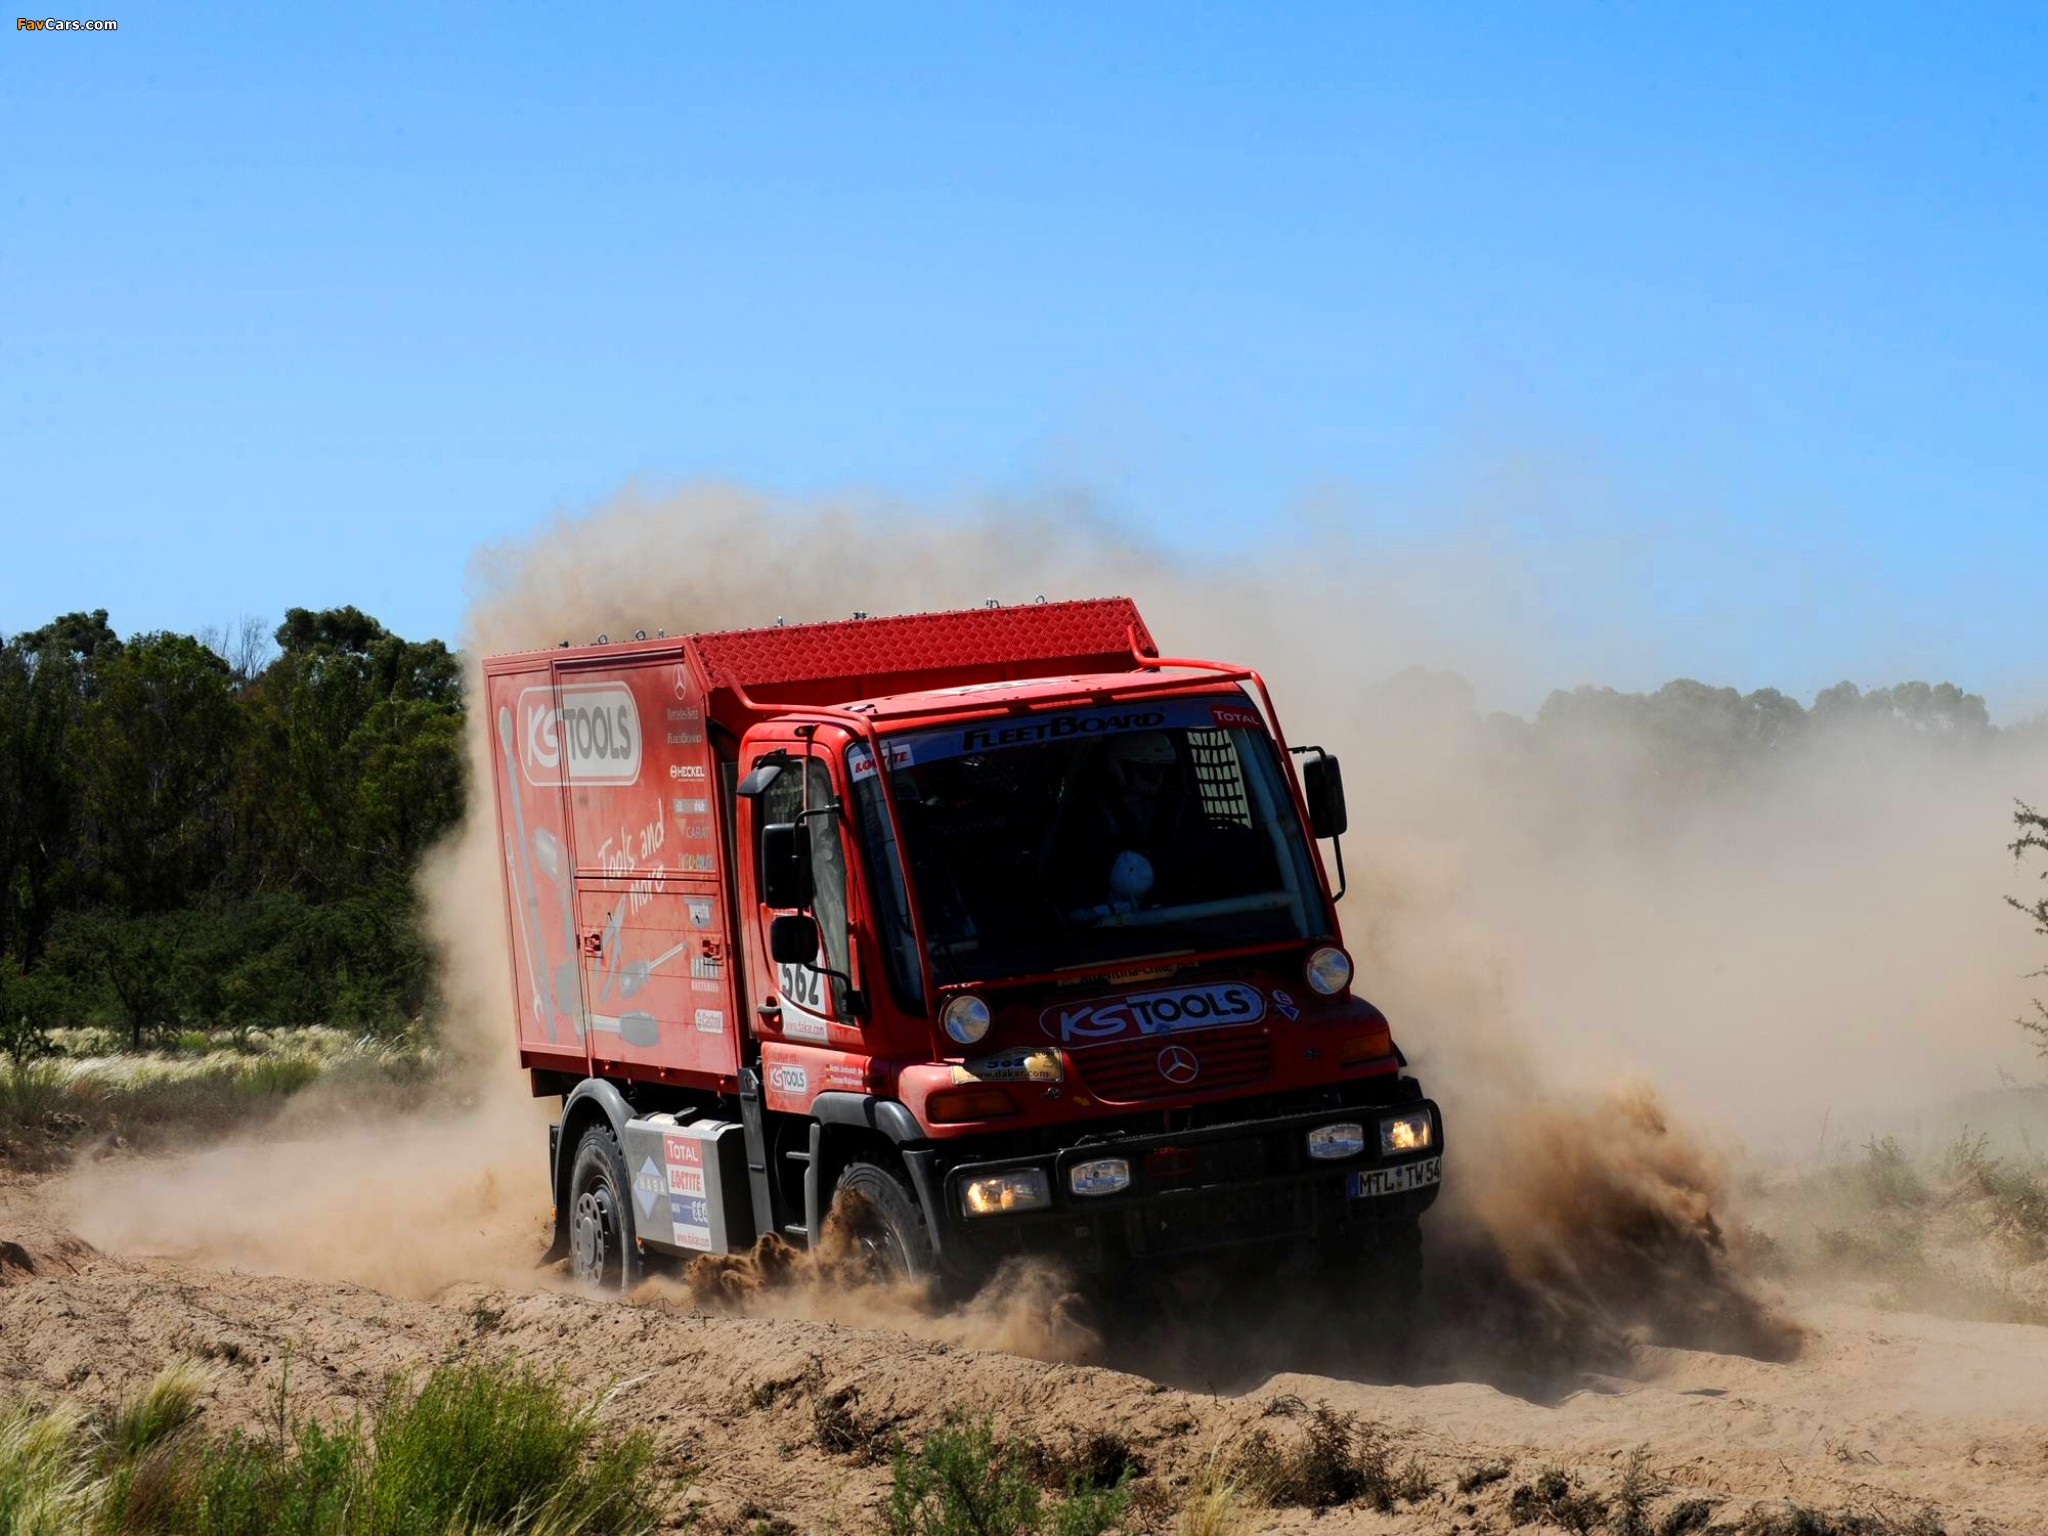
[{"x": 1730, "y": 324}]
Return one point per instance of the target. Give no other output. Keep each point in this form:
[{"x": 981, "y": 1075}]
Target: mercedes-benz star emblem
[{"x": 1177, "y": 1064}]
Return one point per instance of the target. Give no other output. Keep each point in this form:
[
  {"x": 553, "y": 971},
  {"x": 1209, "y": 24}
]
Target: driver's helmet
[{"x": 1142, "y": 760}]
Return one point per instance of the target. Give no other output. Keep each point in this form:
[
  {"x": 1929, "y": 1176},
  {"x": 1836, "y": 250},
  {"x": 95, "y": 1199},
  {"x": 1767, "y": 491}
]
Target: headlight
[
  {"x": 1329, "y": 971},
  {"x": 966, "y": 1018},
  {"x": 1101, "y": 1176},
  {"x": 1334, "y": 1141},
  {"x": 998, "y": 1194},
  {"x": 1406, "y": 1133}
]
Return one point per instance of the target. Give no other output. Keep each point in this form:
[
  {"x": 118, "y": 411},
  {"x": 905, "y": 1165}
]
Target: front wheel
[
  {"x": 884, "y": 1224},
  {"x": 601, "y": 1245},
  {"x": 1379, "y": 1280}
]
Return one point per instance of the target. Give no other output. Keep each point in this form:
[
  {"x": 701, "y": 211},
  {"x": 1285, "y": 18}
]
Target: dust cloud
[{"x": 1552, "y": 913}]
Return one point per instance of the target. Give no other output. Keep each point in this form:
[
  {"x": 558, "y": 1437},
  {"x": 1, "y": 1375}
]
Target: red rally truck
[{"x": 999, "y": 918}]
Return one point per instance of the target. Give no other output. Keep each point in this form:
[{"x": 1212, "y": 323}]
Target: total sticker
[{"x": 685, "y": 1156}]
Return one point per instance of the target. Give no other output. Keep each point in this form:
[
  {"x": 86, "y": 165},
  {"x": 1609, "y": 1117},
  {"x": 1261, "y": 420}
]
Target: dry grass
[{"x": 53, "y": 1107}]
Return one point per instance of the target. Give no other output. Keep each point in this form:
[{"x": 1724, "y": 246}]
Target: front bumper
[{"x": 1246, "y": 1183}]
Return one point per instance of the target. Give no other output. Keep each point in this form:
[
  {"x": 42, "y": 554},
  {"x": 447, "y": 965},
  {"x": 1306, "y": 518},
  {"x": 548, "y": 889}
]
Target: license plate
[{"x": 1395, "y": 1181}]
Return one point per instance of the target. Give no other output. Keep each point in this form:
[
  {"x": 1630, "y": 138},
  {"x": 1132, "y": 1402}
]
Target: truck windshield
[{"x": 1042, "y": 842}]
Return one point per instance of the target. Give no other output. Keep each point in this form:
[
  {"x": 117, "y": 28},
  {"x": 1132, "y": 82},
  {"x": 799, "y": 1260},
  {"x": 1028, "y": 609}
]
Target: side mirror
[
  {"x": 793, "y": 939},
  {"x": 1322, "y": 785},
  {"x": 785, "y": 866}
]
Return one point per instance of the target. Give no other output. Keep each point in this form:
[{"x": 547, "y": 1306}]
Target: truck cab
[{"x": 1022, "y": 939}]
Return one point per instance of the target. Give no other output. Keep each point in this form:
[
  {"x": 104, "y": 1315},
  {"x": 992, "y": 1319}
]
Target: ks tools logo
[{"x": 594, "y": 726}]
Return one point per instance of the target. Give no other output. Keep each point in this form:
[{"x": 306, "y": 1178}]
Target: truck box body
[
  {"x": 616, "y": 820},
  {"x": 638, "y": 786}
]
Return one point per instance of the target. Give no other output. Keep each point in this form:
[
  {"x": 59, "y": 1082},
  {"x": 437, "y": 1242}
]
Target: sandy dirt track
[{"x": 1883, "y": 1412}]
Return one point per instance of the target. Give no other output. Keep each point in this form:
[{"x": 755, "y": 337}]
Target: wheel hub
[{"x": 592, "y": 1235}]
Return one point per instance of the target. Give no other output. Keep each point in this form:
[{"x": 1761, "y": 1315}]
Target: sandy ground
[{"x": 1881, "y": 1412}]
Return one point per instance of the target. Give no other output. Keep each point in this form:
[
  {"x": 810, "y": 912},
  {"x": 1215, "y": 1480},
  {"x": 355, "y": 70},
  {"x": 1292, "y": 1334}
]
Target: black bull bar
[{"x": 1243, "y": 1183}]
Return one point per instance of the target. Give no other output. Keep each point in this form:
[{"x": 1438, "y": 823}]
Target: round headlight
[
  {"x": 1329, "y": 971},
  {"x": 966, "y": 1018}
]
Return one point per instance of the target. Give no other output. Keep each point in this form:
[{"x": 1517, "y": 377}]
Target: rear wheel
[
  {"x": 885, "y": 1224},
  {"x": 601, "y": 1246}
]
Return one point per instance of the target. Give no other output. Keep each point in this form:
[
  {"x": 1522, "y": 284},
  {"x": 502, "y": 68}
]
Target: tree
[
  {"x": 31, "y": 1004},
  {"x": 2033, "y": 837},
  {"x": 45, "y": 680},
  {"x": 160, "y": 742}
]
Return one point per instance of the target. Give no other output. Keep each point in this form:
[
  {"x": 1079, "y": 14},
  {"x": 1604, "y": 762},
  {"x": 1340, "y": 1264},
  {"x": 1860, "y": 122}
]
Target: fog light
[
  {"x": 1102, "y": 1176},
  {"x": 998, "y": 1194},
  {"x": 1330, "y": 1142},
  {"x": 1406, "y": 1133},
  {"x": 966, "y": 1018},
  {"x": 1329, "y": 971}
]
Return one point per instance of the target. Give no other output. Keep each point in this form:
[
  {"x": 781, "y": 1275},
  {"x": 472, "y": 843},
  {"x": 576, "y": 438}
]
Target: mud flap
[{"x": 558, "y": 1245}]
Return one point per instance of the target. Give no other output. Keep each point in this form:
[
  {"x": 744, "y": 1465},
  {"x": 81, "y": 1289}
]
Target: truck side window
[
  {"x": 784, "y": 801},
  {"x": 886, "y": 892}
]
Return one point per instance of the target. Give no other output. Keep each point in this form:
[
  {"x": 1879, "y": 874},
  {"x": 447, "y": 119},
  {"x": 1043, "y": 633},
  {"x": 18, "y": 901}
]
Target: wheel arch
[
  {"x": 860, "y": 1127},
  {"x": 593, "y": 1101}
]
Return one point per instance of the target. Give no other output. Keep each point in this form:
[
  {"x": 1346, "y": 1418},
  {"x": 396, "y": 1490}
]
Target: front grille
[{"x": 1138, "y": 1069}]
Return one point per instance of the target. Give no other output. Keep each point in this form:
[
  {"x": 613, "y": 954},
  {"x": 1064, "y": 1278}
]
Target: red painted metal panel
[{"x": 894, "y": 655}]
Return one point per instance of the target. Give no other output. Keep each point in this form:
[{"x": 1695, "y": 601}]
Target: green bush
[
  {"x": 476, "y": 1448},
  {"x": 1889, "y": 1177},
  {"x": 965, "y": 1481}
]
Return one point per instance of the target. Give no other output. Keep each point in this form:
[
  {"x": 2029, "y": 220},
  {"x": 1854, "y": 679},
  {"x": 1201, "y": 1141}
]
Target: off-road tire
[
  {"x": 602, "y": 1251},
  {"x": 1376, "y": 1277},
  {"x": 887, "y": 1223},
  {"x": 1393, "y": 1278}
]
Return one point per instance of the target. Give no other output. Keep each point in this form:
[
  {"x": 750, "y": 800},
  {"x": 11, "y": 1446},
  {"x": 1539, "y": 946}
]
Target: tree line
[
  {"x": 224, "y": 828},
  {"x": 220, "y": 829}
]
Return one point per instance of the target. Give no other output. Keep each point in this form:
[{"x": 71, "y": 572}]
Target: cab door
[{"x": 798, "y": 783}]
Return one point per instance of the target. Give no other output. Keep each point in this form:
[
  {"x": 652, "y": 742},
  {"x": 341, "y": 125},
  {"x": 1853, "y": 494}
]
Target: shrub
[
  {"x": 1336, "y": 1461},
  {"x": 1888, "y": 1175},
  {"x": 476, "y": 1448},
  {"x": 965, "y": 1481},
  {"x": 1555, "y": 1496},
  {"x": 488, "y": 1446}
]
